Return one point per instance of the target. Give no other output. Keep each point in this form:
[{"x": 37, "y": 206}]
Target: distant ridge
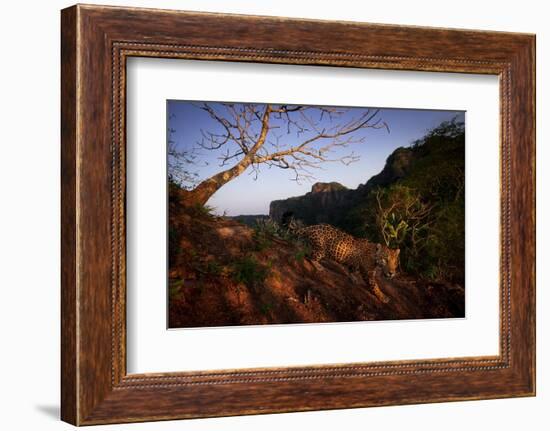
[{"x": 248, "y": 219}]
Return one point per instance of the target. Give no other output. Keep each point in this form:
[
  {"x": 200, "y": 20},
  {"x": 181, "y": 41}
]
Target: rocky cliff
[
  {"x": 321, "y": 205},
  {"x": 329, "y": 202}
]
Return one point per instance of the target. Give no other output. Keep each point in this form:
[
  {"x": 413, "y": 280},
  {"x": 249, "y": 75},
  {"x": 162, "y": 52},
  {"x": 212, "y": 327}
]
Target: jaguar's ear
[
  {"x": 397, "y": 251},
  {"x": 378, "y": 247}
]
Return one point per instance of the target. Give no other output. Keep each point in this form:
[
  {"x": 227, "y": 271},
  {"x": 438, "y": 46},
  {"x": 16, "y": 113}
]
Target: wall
[{"x": 29, "y": 220}]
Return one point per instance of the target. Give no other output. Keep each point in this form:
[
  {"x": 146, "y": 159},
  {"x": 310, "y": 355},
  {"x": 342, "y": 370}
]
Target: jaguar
[{"x": 358, "y": 254}]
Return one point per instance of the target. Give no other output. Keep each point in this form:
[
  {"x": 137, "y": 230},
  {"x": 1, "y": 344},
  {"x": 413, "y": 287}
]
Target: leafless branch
[{"x": 297, "y": 138}]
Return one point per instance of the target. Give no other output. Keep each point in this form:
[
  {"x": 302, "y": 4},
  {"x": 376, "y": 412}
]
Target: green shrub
[
  {"x": 267, "y": 227},
  {"x": 205, "y": 211},
  {"x": 270, "y": 229},
  {"x": 249, "y": 271},
  {"x": 261, "y": 241}
]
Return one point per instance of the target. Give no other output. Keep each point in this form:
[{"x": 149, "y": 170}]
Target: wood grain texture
[{"x": 96, "y": 41}]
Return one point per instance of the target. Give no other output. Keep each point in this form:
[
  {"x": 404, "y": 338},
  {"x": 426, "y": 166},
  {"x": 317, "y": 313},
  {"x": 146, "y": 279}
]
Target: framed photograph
[{"x": 259, "y": 216}]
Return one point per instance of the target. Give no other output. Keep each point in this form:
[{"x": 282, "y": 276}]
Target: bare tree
[{"x": 297, "y": 138}]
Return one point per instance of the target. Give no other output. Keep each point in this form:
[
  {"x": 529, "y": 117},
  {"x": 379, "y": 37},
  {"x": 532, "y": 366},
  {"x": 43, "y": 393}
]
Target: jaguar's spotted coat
[{"x": 357, "y": 254}]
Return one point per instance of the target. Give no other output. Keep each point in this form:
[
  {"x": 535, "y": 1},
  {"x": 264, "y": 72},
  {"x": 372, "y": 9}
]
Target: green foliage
[
  {"x": 267, "y": 230},
  {"x": 205, "y": 211},
  {"x": 264, "y": 232},
  {"x": 270, "y": 228},
  {"x": 423, "y": 212},
  {"x": 267, "y": 227},
  {"x": 261, "y": 241},
  {"x": 403, "y": 220},
  {"x": 300, "y": 255},
  {"x": 249, "y": 271}
]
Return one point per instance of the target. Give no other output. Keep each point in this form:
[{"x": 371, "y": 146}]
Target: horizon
[{"x": 247, "y": 196}]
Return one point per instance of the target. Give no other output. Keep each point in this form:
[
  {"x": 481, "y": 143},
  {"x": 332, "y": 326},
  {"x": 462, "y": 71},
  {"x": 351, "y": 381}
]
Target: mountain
[
  {"x": 398, "y": 166},
  {"x": 329, "y": 202},
  {"x": 321, "y": 205}
]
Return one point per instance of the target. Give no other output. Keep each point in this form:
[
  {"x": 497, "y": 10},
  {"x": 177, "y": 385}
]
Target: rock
[
  {"x": 323, "y": 202},
  {"x": 327, "y": 187}
]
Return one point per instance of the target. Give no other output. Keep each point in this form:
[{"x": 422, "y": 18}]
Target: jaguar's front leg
[
  {"x": 316, "y": 257},
  {"x": 375, "y": 288}
]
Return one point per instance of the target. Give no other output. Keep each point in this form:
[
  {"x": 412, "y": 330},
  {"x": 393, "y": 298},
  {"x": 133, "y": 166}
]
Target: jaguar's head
[{"x": 387, "y": 259}]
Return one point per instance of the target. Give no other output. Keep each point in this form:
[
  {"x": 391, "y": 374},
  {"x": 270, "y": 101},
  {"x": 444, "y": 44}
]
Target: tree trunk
[{"x": 200, "y": 194}]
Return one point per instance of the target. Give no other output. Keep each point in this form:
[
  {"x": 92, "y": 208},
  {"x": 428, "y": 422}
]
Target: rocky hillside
[{"x": 223, "y": 272}]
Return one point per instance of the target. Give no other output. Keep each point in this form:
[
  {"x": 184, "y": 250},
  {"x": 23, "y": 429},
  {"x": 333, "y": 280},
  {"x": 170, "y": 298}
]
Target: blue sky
[{"x": 245, "y": 195}]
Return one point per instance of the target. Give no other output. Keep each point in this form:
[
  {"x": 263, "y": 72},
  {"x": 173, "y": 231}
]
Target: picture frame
[{"x": 96, "y": 42}]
